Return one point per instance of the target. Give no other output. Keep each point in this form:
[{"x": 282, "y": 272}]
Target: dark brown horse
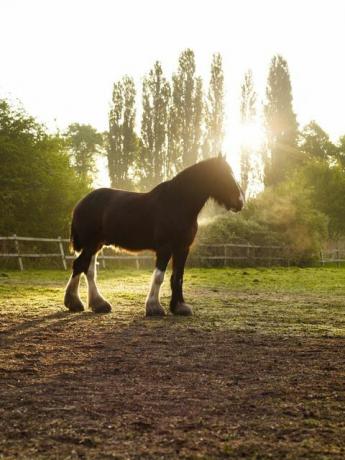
[{"x": 163, "y": 220}]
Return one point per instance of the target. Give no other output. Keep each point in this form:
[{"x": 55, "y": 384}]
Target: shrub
[{"x": 281, "y": 215}]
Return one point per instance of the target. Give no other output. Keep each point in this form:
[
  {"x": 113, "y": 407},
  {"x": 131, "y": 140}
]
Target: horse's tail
[{"x": 75, "y": 243}]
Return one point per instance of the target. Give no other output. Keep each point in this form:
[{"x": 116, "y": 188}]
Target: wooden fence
[
  {"x": 241, "y": 253},
  {"x": 201, "y": 255},
  {"x": 333, "y": 256},
  {"x": 11, "y": 247},
  {"x": 61, "y": 252}
]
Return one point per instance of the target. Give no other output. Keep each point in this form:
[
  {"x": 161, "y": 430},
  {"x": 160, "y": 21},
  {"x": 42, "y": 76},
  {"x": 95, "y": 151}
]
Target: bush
[
  {"x": 236, "y": 228},
  {"x": 281, "y": 215}
]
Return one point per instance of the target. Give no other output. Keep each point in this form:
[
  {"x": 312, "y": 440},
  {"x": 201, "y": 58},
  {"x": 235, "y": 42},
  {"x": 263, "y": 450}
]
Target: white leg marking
[
  {"x": 153, "y": 306},
  {"x": 72, "y": 300},
  {"x": 96, "y": 302},
  {"x": 73, "y": 285},
  {"x": 91, "y": 281}
]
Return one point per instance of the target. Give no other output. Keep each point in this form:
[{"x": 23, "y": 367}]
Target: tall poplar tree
[
  {"x": 214, "y": 117},
  {"x": 123, "y": 142},
  {"x": 248, "y": 114},
  {"x": 174, "y": 152},
  {"x": 185, "y": 114},
  {"x": 281, "y": 123},
  {"x": 153, "y": 161}
]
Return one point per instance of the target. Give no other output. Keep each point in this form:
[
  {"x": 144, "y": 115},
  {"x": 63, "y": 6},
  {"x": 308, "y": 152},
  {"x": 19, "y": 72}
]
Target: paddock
[{"x": 258, "y": 371}]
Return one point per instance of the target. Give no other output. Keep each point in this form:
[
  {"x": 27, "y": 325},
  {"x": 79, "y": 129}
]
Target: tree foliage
[
  {"x": 341, "y": 153},
  {"x": 248, "y": 114},
  {"x": 214, "y": 110},
  {"x": 282, "y": 215},
  {"x": 123, "y": 142},
  {"x": 154, "y": 161},
  {"x": 316, "y": 142},
  {"x": 327, "y": 185},
  {"x": 38, "y": 187},
  {"x": 281, "y": 124},
  {"x": 185, "y": 114},
  {"x": 84, "y": 144}
]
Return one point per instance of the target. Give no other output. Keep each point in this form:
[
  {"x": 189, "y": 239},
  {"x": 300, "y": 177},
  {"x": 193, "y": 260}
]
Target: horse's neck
[{"x": 191, "y": 191}]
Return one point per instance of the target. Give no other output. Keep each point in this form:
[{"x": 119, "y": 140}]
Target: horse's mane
[{"x": 198, "y": 168}]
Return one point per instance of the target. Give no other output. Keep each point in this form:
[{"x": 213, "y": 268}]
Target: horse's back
[{"x": 99, "y": 217}]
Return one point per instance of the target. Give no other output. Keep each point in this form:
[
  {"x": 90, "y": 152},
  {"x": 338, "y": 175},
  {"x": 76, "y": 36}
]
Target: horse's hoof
[
  {"x": 103, "y": 307},
  {"x": 154, "y": 309},
  {"x": 182, "y": 309},
  {"x": 73, "y": 303}
]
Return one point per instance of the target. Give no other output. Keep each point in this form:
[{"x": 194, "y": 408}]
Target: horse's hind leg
[
  {"x": 153, "y": 306},
  {"x": 96, "y": 302},
  {"x": 72, "y": 300}
]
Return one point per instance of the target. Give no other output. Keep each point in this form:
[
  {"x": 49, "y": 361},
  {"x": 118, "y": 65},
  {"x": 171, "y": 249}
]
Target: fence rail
[
  {"x": 62, "y": 254},
  {"x": 202, "y": 254},
  {"x": 333, "y": 256}
]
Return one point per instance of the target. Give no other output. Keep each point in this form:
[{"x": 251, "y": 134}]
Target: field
[{"x": 258, "y": 372}]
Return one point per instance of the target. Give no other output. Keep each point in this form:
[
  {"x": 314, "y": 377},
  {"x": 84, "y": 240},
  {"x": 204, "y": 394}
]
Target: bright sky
[{"x": 61, "y": 57}]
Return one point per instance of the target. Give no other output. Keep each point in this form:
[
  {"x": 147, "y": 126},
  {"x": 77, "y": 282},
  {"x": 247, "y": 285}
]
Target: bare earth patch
[{"x": 256, "y": 373}]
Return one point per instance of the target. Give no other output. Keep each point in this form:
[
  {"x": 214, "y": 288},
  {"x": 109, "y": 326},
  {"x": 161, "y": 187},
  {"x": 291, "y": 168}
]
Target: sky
[{"x": 60, "y": 58}]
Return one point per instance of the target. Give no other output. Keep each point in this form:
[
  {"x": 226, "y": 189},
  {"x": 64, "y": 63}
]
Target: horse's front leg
[
  {"x": 153, "y": 306},
  {"x": 97, "y": 303},
  {"x": 177, "y": 303}
]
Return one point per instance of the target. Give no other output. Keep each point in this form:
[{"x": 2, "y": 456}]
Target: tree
[
  {"x": 38, "y": 187},
  {"x": 153, "y": 161},
  {"x": 174, "y": 157},
  {"x": 185, "y": 114},
  {"x": 248, "y": 114},
  {"x": 316, "y": 142},
  {"x": 214, "y": 107},
  {"x": 341, "y": 152},
  {"x": 281, "y": 123},
  {"x": 327, "y": 183},
  {"x": 123, "y": 142},
  {"x": 84, "y": 143}
]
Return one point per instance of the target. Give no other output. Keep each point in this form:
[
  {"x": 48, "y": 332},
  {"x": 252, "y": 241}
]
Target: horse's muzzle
[{"x": 238, "y": 206}]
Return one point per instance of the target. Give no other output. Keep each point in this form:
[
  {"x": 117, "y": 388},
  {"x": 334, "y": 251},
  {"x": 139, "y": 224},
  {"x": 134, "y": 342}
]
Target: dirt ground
[{"x": 256, "y": 373}]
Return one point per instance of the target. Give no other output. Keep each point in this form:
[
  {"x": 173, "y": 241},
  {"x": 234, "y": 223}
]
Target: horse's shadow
[{"x": 27, "y": 328}]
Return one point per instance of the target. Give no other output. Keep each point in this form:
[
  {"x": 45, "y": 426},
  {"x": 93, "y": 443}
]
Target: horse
[{"x": 163, "y": 220}]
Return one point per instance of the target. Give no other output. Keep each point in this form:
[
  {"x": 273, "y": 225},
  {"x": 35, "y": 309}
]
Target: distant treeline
[{"x": 182, "y": 121}]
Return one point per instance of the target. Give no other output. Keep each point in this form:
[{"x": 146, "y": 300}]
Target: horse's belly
[{"x": 134, "y": 237}]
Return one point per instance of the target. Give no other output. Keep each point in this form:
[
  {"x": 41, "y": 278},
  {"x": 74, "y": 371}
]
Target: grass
[
  {"x": 257, "y": 372},
  {"x": 270, "y": 300}
]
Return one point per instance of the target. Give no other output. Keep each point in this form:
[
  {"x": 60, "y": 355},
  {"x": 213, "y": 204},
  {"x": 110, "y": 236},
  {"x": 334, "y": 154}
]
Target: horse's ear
[{"x": 220, "y": 155}]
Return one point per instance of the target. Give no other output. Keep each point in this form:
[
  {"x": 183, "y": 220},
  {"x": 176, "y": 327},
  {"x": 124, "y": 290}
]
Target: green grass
[{"x": 288, "y": 301}]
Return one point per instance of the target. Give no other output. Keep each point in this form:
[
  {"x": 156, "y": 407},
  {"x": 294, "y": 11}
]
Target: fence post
[
  {"x": 248, "y": 254},
  {"x": 20, "y": 260},
  {"x": 62, "y": 253},
  {"x": 102, "y": 258},
  {"x": 137, "y": 263}
]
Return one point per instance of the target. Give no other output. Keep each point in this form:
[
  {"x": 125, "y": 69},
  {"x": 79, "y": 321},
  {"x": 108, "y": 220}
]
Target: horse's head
[{"x": 224, "y": 188}]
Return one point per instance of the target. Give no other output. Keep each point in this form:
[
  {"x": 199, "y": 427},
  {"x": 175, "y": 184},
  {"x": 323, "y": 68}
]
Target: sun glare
[{"x": 251, "y": 135}]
